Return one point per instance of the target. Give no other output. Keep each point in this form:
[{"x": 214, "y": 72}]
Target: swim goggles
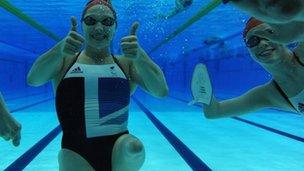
[
  {"x": 254, "y": 41},
  {"x": 90, "y": 21}
]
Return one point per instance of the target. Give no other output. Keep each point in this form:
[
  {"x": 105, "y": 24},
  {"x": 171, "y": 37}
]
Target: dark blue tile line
[
  {"x": 193, "y": 161},
  {"x": 270, "y": 129},
  {"x": 33, "y": 152},
  {"x": 31, "y": 105},
  {"x": 285, "y": 134},
  {"x": 26, "y": 95}
]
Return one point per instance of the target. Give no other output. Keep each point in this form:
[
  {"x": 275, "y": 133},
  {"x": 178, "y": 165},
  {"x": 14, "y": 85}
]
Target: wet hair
[{"x": 92, "y": 3}]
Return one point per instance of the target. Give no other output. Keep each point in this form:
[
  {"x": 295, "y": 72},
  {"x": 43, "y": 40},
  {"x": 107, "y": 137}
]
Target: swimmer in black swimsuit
[
  {"x": 93, "y": 89},
  {"x": 285, "y": 91},
  {"x": 9, "y": 127}
]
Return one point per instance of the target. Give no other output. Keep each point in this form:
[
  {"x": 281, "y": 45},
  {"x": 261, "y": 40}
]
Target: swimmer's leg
[
  {"x": 128, "y": 154},
  {"x": 69, "y": 160}
]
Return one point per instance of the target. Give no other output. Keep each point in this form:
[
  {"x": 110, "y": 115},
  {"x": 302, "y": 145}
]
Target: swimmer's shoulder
[{"x": 276, "y": 98}]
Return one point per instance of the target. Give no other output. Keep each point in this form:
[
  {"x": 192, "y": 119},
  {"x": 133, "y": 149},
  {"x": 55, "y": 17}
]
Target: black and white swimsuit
[
  {"x": 297, "y": 102},
  {"x": 92, "y": 103}
]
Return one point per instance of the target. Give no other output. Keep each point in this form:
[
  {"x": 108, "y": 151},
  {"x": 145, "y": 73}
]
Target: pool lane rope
[
  {"x": 203, "y": 11},
  {"x": 15, "y": 11}
]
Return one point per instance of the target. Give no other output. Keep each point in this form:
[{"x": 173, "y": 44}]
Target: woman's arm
[
  {"x": 9, "y": 127},
  {"x": 148, "y": 75},
  {"x": 143, "y": 71},
  {"x": 46, "y": 66},
  {"x": 3, "y": 111},
  {"x": 49, "y": 65},
  {"x": 255, "y": 99}
]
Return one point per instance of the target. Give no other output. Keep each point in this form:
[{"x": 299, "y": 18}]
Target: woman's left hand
[{"x": 129, "y": 44}]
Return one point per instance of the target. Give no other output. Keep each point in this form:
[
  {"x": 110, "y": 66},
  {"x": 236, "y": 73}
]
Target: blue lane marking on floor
[
  {"x": 193, "y": 161},
  {"x": 25, "y": 95},
  {"x": 31, "y": 105},
  {"x": 29, "y": 155},
  {"x": 271, "y": 129},
  {"x": 285, "y": 134}
]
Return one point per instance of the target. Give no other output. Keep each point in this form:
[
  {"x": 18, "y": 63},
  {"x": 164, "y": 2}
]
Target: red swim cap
[
  {"x": 251, "y": 23},
  {"x": 98, "y": 2}
]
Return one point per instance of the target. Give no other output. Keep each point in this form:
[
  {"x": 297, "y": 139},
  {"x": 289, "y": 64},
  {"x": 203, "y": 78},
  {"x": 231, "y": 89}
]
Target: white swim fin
[{"x": 201, "y": 86}]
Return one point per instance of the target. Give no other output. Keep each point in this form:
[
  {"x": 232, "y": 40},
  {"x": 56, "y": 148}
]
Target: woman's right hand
[
  {"x": 10, "y": 129},
  {"x": 72, "y": 43}
]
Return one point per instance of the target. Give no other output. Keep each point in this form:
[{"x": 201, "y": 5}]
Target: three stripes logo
[
  {"x": 301, "y": 107},
  {"x": 76, "y": 70}
]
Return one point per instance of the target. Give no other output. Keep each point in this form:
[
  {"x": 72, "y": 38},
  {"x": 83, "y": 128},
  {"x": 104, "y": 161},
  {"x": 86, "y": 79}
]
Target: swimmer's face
[
  {"x": 99, "y": 26},
  {"x": 262, "y": 50}
]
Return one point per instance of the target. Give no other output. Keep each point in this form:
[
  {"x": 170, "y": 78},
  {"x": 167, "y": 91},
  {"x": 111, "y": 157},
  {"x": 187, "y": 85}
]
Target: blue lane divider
[
  {"x": 31, "y": 105},
  {"x": 29, "y": 155},
  {"x": 193, "y": 161},
  {"x": 285, "y": 134},
  {"x": 270, "y": 129},
  {"x": 23, "y": 96}
]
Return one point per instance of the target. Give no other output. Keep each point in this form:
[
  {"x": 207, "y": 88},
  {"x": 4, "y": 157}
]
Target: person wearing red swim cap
[
  {"x": 93, "y": 89},
  {"x": 285, "y": 91},
  {"x": 286, "y": 17},
  {"x": 9, "y": 127}
]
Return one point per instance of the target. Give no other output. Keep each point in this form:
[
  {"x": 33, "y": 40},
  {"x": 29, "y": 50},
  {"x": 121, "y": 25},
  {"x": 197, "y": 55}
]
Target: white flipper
[{"x": 201, "y": 85}]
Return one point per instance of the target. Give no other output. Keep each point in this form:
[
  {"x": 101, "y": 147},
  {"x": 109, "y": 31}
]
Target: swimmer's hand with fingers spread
[
  {"x": 10, "y": 129},
  {"x": 272, "y": 11},
  {"x": 286, "y": 17}
]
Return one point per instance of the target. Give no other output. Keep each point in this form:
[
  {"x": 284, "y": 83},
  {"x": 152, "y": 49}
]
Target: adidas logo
[
  {"x": 76, "y": 70},
  {"x": 301, "y": 107}
]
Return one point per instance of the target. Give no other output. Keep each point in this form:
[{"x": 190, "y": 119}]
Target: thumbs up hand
[
  {"x": 129, "y": 44},
  {"x": 72, "y": 43}
]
